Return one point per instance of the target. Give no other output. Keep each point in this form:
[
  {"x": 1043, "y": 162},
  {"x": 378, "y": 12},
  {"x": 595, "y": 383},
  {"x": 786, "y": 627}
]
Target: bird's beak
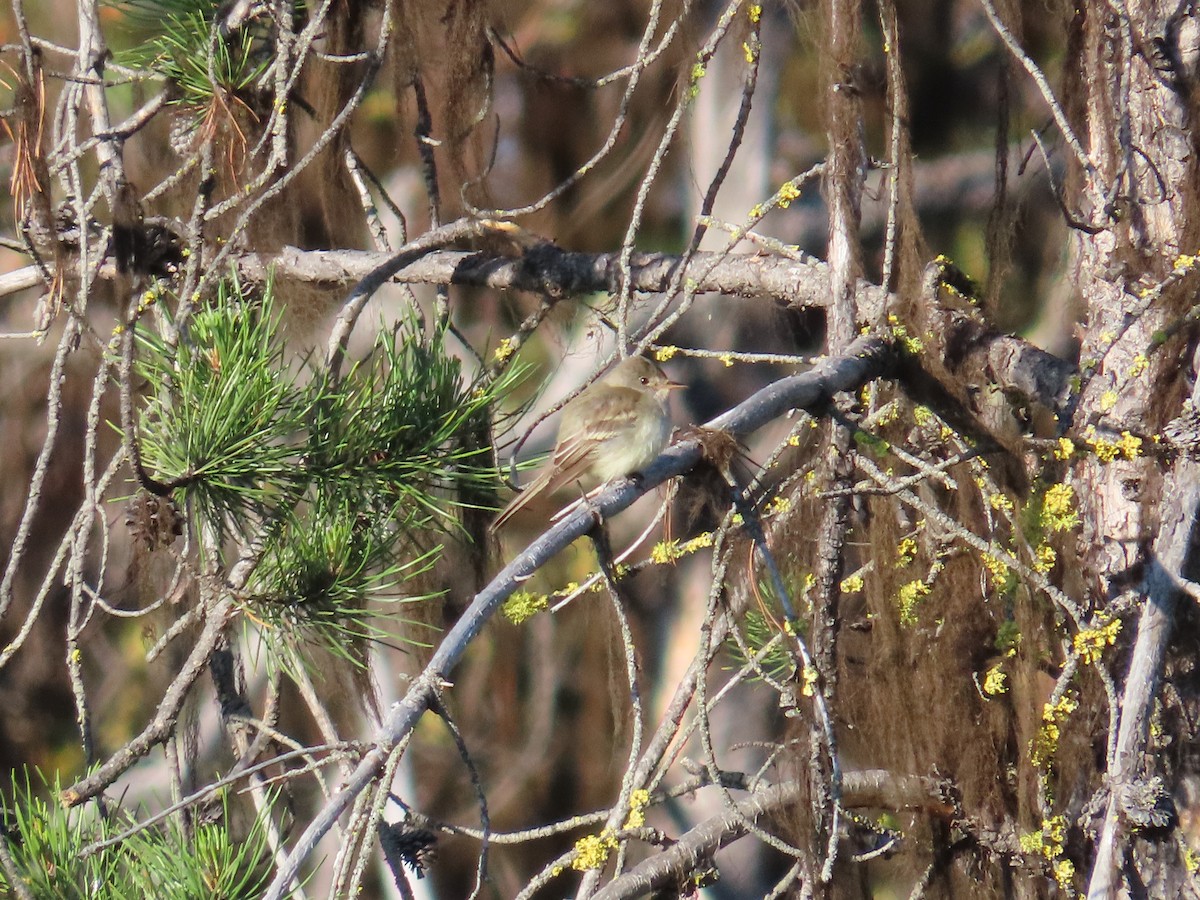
[{"x": 673, "y": 386}]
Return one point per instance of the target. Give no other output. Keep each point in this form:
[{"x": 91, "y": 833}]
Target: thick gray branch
[
  {"x": 550, "y": 270},
  {"x": 980, "y": 355}
]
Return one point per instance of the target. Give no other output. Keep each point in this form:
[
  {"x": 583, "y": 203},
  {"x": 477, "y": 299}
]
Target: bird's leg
[
  {"x": 597, "y": 516},
  {"x": 585, "y": 497}
]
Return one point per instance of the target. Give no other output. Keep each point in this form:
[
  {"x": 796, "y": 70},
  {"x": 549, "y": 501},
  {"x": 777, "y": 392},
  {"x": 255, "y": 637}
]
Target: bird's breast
[{"x": 635, "y": 448}]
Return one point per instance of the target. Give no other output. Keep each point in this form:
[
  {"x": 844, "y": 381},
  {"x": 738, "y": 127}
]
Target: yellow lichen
[
  {"x": 664, "y": 552},
  {"x": 1191, "y": 860},
  {"x": 1048, "y": 842},
  {"x": 1031, "y": 842},
  {"x": 852, "y": 584},
  {"x": 523, "y": 605},
  {"x": 912, "y": 345},
  {"x": 504, "y": 350},
  {"x": 1045, "y": 745},
  {"x": 1130, "y": 445},
  {"x": 889, "y": 414},
  {"x": 908, "y": 598},
  {"x": 1054, "y": 830},
  {"x": 997, "y": 569},
  {"x": 638, "y": 801},
  {"x": 591, "y": 851},
  {"x": 668, "y": 551},
  {"x": 1045, "y": 558},
  {"x": 1090, "y": 642},
  {"x": 778, "y": 505},
  {"x": 1064, "y": 873},
  {"x": 787, "y": 193},
  {"x": 808, "y": 685},
  {"x": 663, "y": 354},
  {"x": 1058, "y": 508},
  {"x": 1065, "y": 449},
  {"x": 995, "y": 681}
]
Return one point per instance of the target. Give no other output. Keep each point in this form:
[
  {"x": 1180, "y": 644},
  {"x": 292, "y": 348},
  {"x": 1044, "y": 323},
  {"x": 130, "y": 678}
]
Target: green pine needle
[
  {"x": 225, "y": 411},
  {"x": 344, "y": 478},
  {"x": 175, "y": 40},
  {"x": 396, "y": 429},
  {"x": 759, "y": 631},
  {"x": 328, "y": 576},
  {"x": 45, "y": 840}
]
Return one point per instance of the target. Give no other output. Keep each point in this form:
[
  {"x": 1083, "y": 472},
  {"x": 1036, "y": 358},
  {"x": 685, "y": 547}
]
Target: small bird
[{"x": 615, "y": 427}]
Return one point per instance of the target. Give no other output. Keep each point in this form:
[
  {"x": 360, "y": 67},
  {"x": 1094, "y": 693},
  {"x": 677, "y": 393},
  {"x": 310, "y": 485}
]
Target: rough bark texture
[{"x": 1138, "y": 124}]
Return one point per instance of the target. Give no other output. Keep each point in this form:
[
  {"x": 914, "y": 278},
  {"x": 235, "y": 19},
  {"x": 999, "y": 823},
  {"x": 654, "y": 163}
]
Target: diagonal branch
[{"x": 867, "y": 358}]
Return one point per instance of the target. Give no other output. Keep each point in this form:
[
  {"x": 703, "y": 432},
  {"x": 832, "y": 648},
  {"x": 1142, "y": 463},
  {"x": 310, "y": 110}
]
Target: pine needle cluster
[
  {"x": 209, "y": 68},
  {"x": 54, "y": 852},
  {"x": 346, "y": 483}
]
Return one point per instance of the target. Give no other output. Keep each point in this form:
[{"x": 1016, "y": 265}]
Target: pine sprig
[
  {"x": 178, "y": 40},
  {"x": 328, "y": 576},
  {"x": 339, "y": 480},
  {"x": 225, "y": 411},
  {"x": 393, "y": 431},
  {"x": 45, "y": 840},
  {"x": 759, "y": 631}
]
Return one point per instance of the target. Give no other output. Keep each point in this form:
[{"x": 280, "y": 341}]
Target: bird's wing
[
  {"x": 579, "y": 438},
  {"x": 578, "y": 435},
  {"x": 554, "y": 475}
]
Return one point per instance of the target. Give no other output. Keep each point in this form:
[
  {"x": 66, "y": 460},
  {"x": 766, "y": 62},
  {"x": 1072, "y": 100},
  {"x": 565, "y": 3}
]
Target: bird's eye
[{"x": 644, "y": 380}]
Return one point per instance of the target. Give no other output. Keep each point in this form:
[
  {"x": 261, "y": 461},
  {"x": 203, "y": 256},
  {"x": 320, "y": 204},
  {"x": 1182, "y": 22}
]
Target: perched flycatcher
[{"x": 615, "y": 427}]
